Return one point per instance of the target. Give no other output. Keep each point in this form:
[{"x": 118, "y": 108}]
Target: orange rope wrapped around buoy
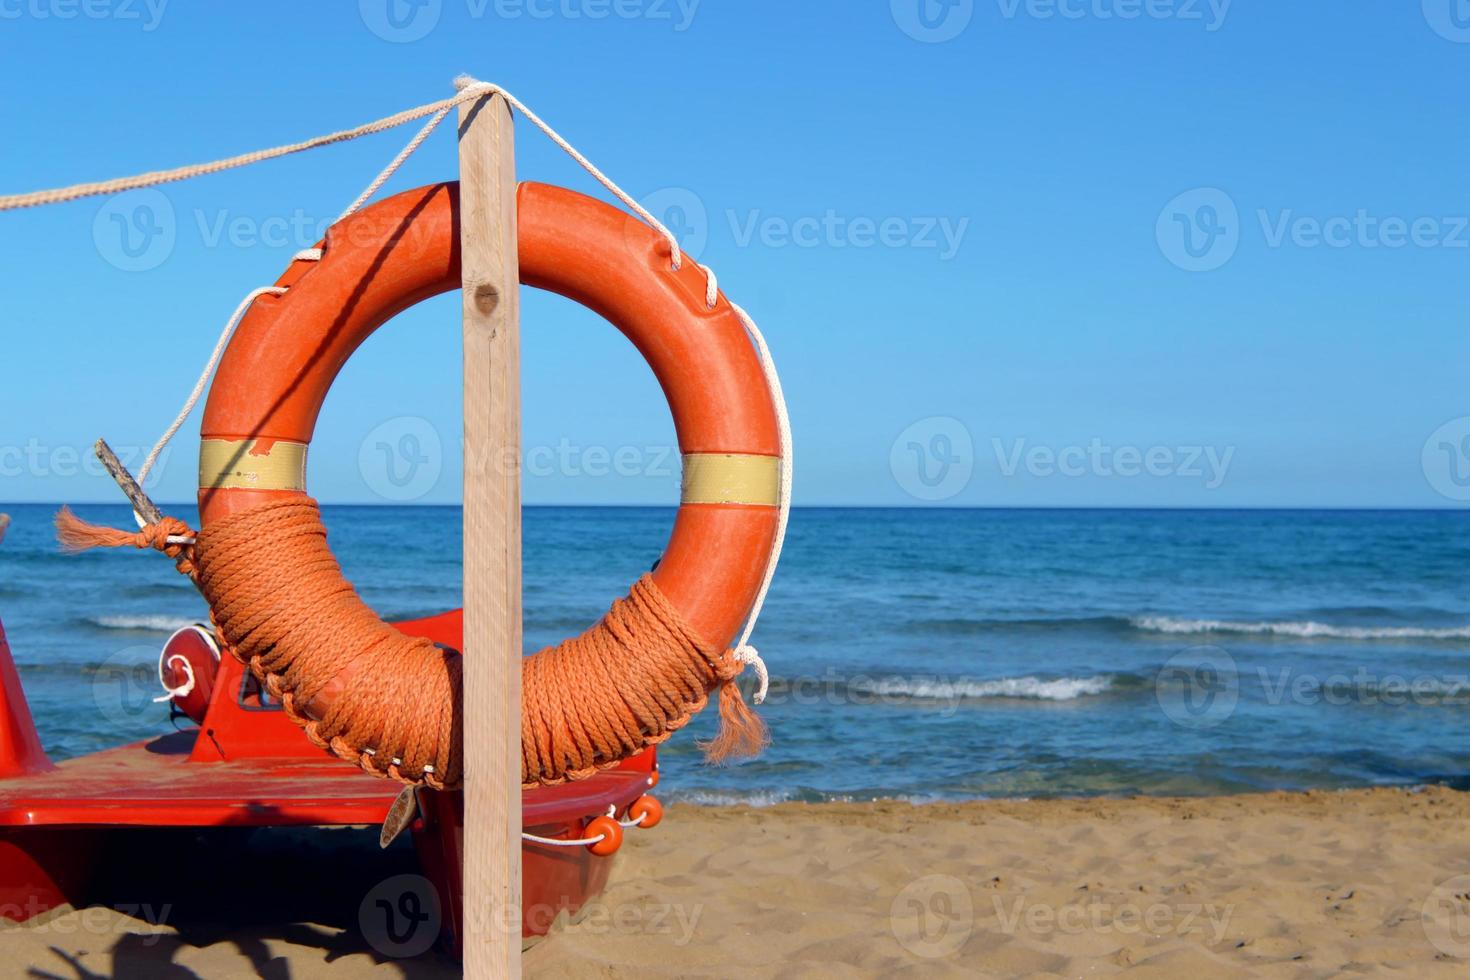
[{"x": 388, "y": 701}]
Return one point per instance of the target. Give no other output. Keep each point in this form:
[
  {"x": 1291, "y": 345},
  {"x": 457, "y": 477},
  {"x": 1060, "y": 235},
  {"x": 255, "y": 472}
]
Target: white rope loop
[
  {"x": 584, "y": 841},
  {"x": 169, "y": 693}
]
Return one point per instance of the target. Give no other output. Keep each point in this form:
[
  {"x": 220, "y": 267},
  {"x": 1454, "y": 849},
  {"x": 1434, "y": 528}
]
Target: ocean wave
[
  {"x": 799, "y": 794},
  {"x": 757, "y": 798},
  {"x": 1027, "y": 688},
  {"x": 967, "y": 627},
  {"x": 1304, "y": 629},
  {"x": 143, "y": 623}
]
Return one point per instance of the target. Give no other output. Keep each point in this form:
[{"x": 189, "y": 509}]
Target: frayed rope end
[
  {"x": 76, "y": 535},
  {"x": 742, "y": 732}
]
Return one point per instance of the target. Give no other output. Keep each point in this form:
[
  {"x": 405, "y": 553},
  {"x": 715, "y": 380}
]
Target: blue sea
[{"x": 918, "y": 654}]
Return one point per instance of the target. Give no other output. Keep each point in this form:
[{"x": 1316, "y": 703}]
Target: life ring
[
  {"x": 259, "y": 420},
  {"x": 187, "y": 666}
]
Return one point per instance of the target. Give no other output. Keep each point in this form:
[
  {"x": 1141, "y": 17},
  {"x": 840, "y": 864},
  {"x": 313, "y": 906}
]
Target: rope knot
[{"x": 169, "y": 535}]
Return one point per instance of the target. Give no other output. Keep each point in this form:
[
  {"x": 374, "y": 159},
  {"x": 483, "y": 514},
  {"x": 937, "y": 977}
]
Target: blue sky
[{"x": 1007, "y": 252}]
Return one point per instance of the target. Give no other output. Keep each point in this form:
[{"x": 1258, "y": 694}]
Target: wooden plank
[
  {"x": 492, "y": 541},
  {"x": 140, "y": 500}
]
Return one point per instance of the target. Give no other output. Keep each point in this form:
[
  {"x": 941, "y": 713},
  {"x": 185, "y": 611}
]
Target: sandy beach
[{"x": 1279, "y": 885}]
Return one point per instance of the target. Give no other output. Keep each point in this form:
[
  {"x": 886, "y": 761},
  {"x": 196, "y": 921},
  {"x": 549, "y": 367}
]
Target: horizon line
[{"x": 919, "y": 508}]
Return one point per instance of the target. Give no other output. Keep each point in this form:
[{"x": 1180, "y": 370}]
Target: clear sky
[{"x": 1007, "y": 252}]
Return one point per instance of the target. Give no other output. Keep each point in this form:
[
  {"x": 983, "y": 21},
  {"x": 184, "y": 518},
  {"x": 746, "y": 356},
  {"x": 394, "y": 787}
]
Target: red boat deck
[{"x": 153, "y": 784}]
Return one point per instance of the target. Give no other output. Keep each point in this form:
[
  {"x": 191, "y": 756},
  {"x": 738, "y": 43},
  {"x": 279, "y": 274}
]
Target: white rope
[
  {"x": 169, "y": 693},
  {"x": 194, "y": 396},
  {"x": 584, "y": 841},
  {"x": 468, "y": 89},
  {"x": 743, "y": 650}
]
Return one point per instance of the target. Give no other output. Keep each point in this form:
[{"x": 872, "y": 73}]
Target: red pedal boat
[{"x": 246, "y": 765}]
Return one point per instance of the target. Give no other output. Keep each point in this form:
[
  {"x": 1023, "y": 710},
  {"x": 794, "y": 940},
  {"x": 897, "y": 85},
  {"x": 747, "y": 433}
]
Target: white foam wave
[
  {"x": 1303, "y": 629},
  {"x": 1028, "y": 688},
  {"x": 757, "y": 798},
  {"x": 155, "y": 624}
]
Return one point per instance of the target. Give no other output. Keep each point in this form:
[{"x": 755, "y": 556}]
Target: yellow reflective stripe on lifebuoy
[
  {"x": 732, "y": 478},
  {"x": 252, "y": 464}
]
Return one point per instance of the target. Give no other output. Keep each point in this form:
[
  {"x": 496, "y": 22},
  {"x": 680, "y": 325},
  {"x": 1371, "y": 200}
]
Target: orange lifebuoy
[{"x": 279, "y": 366}]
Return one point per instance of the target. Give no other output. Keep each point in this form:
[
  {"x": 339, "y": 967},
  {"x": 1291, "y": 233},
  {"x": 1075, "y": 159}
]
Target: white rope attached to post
[{"x": 468, "y": 89}]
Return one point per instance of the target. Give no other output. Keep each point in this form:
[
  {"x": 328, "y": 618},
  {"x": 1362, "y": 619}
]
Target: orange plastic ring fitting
[
  {"x": 611, "y": 832},
  {"x": 653, "y": 779},
  {"x": 647, "y": 811}
]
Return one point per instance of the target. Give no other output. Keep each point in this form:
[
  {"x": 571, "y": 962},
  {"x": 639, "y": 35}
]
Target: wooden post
[{"x": 491, "y": 711}]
